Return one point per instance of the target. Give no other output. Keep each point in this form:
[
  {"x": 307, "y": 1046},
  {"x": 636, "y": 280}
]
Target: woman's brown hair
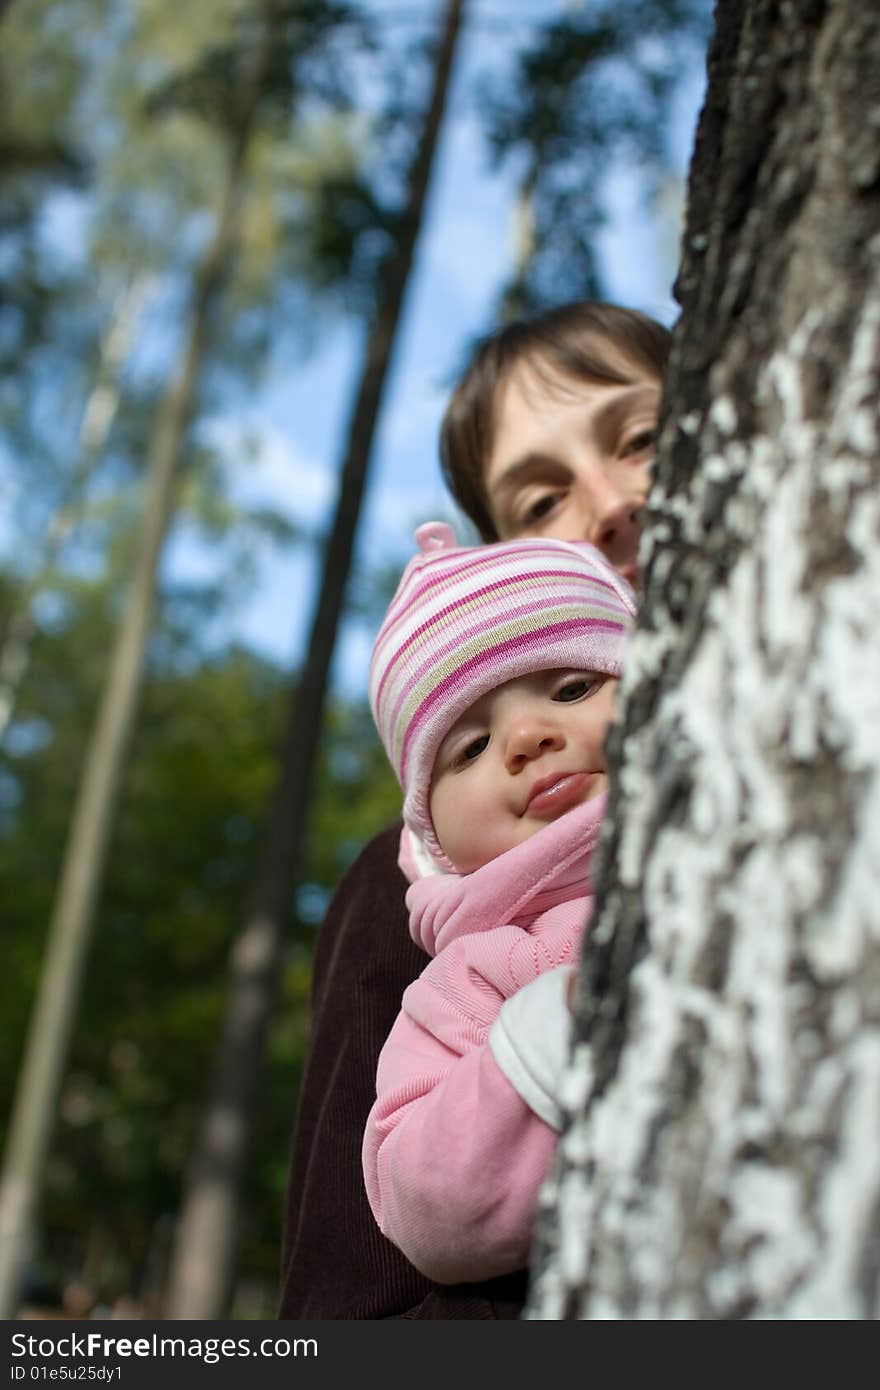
[{"x": 571, "y": 341}]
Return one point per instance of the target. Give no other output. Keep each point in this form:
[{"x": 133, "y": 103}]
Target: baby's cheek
[{"x": 440, "y": 808}]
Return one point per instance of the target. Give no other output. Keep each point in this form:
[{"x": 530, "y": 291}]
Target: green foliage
[
  {"x": 143, "y": 100},
  {"x": 593, "y": 90},
  {"x": 355, "y": 794},
  {"x": 311, "y": 44},
  {"x": 181, "y": 861},
  {"x": 37, "y": 115}
]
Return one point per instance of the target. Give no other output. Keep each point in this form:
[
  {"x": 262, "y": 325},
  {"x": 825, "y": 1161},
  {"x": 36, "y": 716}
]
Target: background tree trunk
[
  {"x": 721, "y": 1158},
  {"x": 515, "y": 299},
  {"x": 85, "y": 854},
  {"x": 201, "y": 1278},
  {"x": 97, "y": 422}
]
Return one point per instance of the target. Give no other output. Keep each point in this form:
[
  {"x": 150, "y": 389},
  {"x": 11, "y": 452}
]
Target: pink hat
[{"x": 465, "y": 620}]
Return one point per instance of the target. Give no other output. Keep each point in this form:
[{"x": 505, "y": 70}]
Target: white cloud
[{"x": 265, "y": 467}]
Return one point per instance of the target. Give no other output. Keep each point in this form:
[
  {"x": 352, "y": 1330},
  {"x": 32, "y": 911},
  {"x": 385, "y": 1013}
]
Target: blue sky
[{"x": 298, "y": 419}]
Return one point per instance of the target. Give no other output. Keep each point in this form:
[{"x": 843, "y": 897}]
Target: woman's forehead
[
  {"x": 537, "y": 389},
  {"x": 597, "y": 361},
  {"x": 530, "y": 414}
]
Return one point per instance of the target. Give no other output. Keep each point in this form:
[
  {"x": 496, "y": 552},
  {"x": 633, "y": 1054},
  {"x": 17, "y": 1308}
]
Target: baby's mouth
[{"x": 558, "y": 792}]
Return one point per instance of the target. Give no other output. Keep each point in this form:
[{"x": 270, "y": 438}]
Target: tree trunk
[
  {"x": 514, "y": 302},
  {"x": 721, "y": 1157},
  {"x": 202, "y": 1271},
  {"x": 97, "y": 421},
  {"x": 85, "y": 854}
]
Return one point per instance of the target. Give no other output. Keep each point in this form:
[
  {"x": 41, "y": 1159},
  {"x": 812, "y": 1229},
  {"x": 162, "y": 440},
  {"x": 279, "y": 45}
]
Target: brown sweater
[{"x": 335, "y": 1262}]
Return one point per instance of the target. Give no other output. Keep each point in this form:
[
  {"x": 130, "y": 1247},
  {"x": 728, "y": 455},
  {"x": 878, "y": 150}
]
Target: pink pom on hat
[{"x": 465, "y": 620}]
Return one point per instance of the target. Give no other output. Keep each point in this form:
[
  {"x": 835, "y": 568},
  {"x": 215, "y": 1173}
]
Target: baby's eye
[
  {"x": 574, "y": 689},
  {"x": 472, "y": 750}
]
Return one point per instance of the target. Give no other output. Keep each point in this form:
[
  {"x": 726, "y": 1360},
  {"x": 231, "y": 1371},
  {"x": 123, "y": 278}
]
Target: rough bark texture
[{"x": 722, "y": 1155}]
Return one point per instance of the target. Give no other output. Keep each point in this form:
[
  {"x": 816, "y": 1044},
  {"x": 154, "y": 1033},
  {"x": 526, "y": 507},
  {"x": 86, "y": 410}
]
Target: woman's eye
[
  {"x": 541, "y": 507},
  {"x": 575, "y": 689},
  {"x": 472, "y": 750},
  {"x": 640, "y": 443}
]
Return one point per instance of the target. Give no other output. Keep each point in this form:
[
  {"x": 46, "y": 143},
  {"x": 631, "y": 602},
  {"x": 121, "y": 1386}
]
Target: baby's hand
[{"x": 530, "y": 1040}]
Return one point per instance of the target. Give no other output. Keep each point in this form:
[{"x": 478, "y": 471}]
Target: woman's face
[{"x": 572, "y": 459}]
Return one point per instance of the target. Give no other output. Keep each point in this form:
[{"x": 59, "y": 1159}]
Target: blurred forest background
[{"x": 213, "y": 315}]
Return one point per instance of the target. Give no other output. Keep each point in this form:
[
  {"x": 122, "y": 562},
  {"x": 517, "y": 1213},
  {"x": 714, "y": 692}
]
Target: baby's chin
[
  {"x": 528, "y": 826},
  {"x": 598, "y": 786}
]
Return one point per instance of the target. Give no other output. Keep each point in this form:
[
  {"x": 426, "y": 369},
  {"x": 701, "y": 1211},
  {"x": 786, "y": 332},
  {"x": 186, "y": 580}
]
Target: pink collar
[{"x": 550, "y": 867}]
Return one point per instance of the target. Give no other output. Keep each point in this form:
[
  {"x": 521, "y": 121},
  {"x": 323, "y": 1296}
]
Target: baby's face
[{"x": 520, "y": 757}]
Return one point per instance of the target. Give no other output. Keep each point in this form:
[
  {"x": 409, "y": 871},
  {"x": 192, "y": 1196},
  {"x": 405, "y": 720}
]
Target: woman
[{"x": 549, "y": 433}]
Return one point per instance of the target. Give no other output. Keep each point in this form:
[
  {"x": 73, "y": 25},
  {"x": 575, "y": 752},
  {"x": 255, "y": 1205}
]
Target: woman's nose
[
  {"x": 607, "y": 509},
  {"x": 616, "y": 528}
]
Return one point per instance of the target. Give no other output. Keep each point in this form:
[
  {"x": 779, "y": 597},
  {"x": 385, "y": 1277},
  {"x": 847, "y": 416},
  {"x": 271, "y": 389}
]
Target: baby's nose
[{"x": 530, "y": 738}]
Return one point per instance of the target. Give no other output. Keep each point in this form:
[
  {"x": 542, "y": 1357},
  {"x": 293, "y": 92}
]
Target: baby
[{"x": 492, "y": 684}]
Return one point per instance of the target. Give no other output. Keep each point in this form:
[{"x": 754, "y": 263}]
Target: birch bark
[{"x": 721, "y": 1158}]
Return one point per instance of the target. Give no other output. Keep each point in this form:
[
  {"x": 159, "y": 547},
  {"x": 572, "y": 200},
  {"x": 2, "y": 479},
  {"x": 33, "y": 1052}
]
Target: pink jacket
[{"x": 453, "y": 1156}]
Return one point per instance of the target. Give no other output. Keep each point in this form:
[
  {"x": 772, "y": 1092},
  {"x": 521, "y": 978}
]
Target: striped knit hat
[{"x": 465, "y": 620}]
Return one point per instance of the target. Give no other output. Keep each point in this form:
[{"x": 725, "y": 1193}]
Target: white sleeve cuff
[{"x": 531, "y": 1038}]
